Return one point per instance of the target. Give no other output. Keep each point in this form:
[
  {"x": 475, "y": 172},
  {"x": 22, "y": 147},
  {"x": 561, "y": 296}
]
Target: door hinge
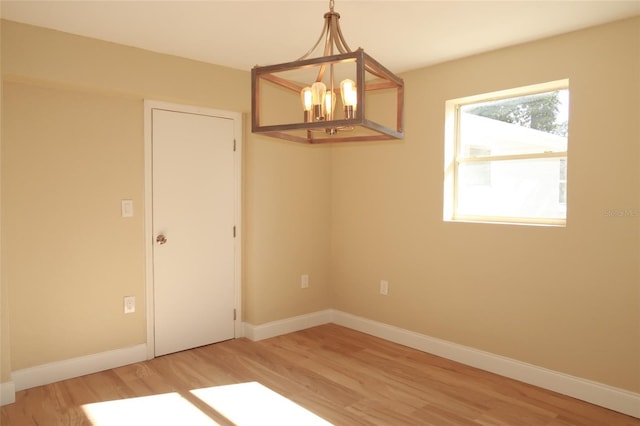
[
  {"x": 234, "y": 314},
  {"x": 234, "y": 231}
]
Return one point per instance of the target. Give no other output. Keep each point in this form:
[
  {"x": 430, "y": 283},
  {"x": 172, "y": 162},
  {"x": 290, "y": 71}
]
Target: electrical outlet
[
  {"x": 129, "y": 304},
  {"x": 384, "y": 287},
  {"x": 126, "y": 208},
  {"x": 304, "y": 281}
]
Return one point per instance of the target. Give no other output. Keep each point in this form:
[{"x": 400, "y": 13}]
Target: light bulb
[
  {"x": 329, "y": 105},
  {"x": 349, "y": 93},
  {"x": 307, "y": 98},
  {"x": 318, "y": 89},
  {"x": 307, "y": 104},
  {"x": 349, "y": 98}
]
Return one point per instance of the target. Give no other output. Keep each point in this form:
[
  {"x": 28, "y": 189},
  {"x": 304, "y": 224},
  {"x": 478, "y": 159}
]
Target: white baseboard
[
  {"x": 75, "y": 367},
  {"x": 7, "y": 393},
  {"x": 600, "y": 394},
  {"x": 596, "y": 393},
  {"x": 288, "y": 325}
]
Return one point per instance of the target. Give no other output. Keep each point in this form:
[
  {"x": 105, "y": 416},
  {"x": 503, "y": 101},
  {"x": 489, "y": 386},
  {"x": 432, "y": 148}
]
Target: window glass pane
[
  {"x": 514, "y": 188},
  {"x": 521, "y": 125}
]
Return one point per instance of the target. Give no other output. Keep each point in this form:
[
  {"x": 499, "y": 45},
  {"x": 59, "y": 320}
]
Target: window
[{"x": 506, "y": 156}]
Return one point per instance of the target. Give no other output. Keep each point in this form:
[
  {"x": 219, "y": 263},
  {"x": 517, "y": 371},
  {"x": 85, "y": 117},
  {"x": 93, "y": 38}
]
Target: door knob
[{"x": 161, "y": 239}]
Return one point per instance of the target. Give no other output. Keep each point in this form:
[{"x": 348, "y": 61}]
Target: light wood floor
[{"x": 343, "y": 376}]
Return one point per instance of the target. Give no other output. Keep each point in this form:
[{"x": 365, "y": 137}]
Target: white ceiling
[{"x": 402, "y": 35}]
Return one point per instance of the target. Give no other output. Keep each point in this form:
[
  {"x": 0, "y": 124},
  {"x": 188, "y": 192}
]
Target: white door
[{"x": 193, "y": 198}]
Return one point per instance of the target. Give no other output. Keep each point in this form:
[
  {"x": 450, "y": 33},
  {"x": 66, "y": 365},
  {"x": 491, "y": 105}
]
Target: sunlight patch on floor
[
  {"x": 254, "y": 404},
  {"x": 168, "y": 409},
  {"x": 243, "y": 404}
]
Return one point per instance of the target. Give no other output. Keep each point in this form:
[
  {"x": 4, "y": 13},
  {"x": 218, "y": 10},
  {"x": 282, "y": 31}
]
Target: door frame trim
[{"x": 149, "y": 106}]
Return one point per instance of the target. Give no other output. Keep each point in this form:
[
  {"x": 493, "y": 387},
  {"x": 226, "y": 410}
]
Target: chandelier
[{"x": 297, "y": 100}]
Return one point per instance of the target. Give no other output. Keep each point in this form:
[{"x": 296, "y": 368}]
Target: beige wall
[
  {"x": 70, "y": 158},
  {"x": 563, "y": 298},
  {"x": 73, "y": 148},
  {"x": 567, "y": 299}
]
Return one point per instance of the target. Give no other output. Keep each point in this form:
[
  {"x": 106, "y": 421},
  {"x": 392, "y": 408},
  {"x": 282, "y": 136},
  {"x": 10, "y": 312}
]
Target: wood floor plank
[{"x": 343, "y": 376}]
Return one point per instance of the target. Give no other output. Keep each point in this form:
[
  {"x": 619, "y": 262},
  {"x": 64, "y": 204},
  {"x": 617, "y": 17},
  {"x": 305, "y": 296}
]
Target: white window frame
[{"x": 452, "y": 160}]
